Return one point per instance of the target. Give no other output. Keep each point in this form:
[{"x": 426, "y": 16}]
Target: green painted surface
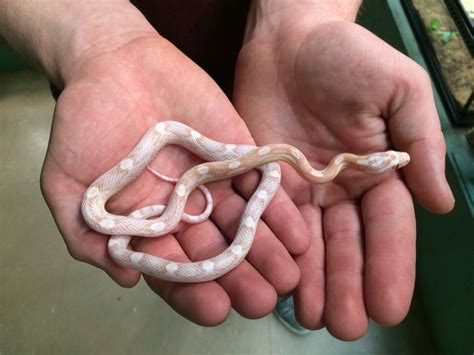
[
  {"x": 445, "y": 273},
  {"x": 9, "y": 62}
]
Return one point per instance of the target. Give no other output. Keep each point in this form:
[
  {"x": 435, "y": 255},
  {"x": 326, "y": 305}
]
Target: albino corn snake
[{"x": 224, "y": 161}]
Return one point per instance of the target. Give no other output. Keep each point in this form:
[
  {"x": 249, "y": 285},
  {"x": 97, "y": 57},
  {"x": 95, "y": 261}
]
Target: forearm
[
  {"x": 55, "y": 35},
  {"x": 268, "y": 16}
]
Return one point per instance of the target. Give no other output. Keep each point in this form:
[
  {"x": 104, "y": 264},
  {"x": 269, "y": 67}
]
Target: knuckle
[
  {"x": 419, "y": 77},
  {"x": 412, "y": 75}
]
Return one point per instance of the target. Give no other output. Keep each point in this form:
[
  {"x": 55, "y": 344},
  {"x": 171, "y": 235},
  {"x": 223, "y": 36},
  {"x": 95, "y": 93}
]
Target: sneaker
[{"x": 285, "y": 313}]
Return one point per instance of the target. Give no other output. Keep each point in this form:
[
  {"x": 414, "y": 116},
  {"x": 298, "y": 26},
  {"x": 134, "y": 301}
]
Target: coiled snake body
[{"x": 225, "y": 161}]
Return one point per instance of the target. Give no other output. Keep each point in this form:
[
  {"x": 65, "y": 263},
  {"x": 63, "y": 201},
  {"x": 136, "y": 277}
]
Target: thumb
[{"x": 415, "y": 128}]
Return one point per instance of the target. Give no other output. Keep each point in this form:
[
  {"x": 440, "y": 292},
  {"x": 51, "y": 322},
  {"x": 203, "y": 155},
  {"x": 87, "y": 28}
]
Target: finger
[
  {"x": 390, "y": 231},
  {"x": 345, "y": 316},
  {"x": 309, "y": 295},
  {"x": 206, "y": 303},
  {"x": 250, "y": 294},
  {"x": 281, "y": 216},
  {"x": 415, "y": 128},
  {"x": 267, "y": 255}
]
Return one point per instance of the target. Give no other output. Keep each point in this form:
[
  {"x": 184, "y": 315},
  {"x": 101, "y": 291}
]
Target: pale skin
[{"x": 119, "y": 77}]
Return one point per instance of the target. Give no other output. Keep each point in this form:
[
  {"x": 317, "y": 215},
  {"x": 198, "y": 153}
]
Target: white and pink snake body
[{"x": 225, "y": 161}]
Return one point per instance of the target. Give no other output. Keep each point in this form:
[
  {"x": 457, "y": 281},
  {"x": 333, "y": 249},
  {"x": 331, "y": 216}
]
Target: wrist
[
  {"x": 102, "y": 30},
  {"x": 268, "y": 17},
  {"x": 61, "y": 35}
]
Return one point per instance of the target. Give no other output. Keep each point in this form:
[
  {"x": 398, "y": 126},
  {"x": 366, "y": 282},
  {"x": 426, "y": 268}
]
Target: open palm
[
  {"x": 337, "y": 88},
  {"x": 108, "y": 104}
]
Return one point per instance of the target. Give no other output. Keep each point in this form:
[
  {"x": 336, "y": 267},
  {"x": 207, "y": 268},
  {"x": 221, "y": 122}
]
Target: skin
[
  {"x": 327, "y": 86},
  {"x": 346, "y": 252},
  {"x": 112, "y": 94}
]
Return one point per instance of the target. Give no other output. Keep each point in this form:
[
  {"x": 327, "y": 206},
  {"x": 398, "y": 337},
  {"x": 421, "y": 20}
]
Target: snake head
[
  {"x": 404, "y": 159},
  {"x": 384, "y": 161}
]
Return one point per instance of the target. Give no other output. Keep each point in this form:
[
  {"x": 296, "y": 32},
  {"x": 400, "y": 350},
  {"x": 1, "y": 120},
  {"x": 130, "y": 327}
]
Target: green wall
[
  {"x": 445, "y": 273},
  {"x": 10, "y": 62}
]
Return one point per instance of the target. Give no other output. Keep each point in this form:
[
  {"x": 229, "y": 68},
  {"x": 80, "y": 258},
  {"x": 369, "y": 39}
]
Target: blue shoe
[{"x": 285, "y": 313}]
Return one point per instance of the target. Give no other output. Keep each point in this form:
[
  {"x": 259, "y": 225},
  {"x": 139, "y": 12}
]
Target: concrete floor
[{"x": 51, "y": 304}]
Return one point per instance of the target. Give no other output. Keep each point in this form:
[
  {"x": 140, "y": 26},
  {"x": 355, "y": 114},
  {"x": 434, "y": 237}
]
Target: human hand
[
  {"x": 327, "y": 86},
  {"x": 114, "y": 90}
]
